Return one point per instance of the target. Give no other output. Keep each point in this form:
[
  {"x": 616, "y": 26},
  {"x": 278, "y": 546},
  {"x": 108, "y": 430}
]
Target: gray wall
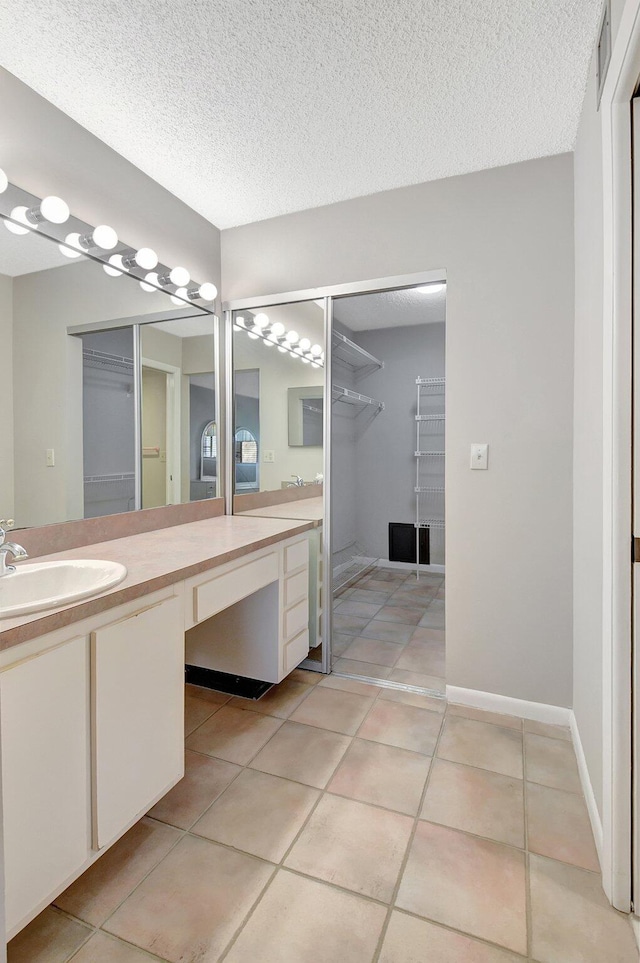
[
  {"x": 505, "y": 238},
  {"x": 46, "y": 152}
]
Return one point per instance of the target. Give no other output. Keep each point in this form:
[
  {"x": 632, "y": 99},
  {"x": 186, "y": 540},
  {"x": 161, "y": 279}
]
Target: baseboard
[
  {"x": 635, "y": 926},
  {"x": 587, "y": 788},
  {"x": 507, "y": 706}
]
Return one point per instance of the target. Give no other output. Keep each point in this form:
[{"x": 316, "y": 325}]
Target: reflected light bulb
[
  {"x": 105, "y": 237},
  {"x": 292, "y": 337},
  {"x": 305, "y": 360},
  {"x": 305, "y": 344},
  {"x": 253, "y": 335},
  {"x": 70, "y": 246},
  {"x": 54, "y": 209},
  {"x": 208, "y": 291},
  {"x": 240, "y": 321},
  {"x": 179, "y": 276},
  {"x": 116, "y": 260},
  {"x": 316, "y": 349},
  {"x": 179, "y": 297},
  {"x": 237, "y": 327},
  {"x": 150, "y": 282},
  {"x": 314, "y": 364},
  {"x": 269, "y": 342},
  {"x": 4, "y": 181},
  {"x": 284, "y": 350},
  {"x": 261, "y": 320},
  {"x": 277, "y": 329},
  {"x": 18, "y": 214}
]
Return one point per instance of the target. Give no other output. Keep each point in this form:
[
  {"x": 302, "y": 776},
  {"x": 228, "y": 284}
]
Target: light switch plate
[
  {"x": 268, "y": 456},
  {"x": 480, "y": 457}
]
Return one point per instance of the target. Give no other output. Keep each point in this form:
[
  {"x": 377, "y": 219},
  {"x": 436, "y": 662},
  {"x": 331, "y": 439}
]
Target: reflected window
[
  {"x": 208, "y": 452},
  {"x": 246, "y": 458}
]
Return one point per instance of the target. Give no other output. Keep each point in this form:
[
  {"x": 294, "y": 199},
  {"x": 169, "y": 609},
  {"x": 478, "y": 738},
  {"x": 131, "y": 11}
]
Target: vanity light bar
[
  {"x": 52, "y": 210},
  {"x": 288, "y": 342}
]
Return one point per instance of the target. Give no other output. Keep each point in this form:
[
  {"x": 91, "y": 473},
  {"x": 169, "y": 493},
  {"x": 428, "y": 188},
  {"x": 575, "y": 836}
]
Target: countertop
[
  {"x": 155, "y": 560},
  {"x": 309, "y": 509}
]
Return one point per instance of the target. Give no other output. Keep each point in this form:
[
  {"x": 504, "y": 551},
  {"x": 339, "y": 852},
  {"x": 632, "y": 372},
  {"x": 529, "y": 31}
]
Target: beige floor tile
[
  {"x": 405, "y": 614},
  {"x": 107, "y": 949},
  {"x": 353, "y": 845},
  {"x": 340, "y": 642},
  {"x": 302, "y": 753},
  {"x": 407, "y": 593},
  {"x": 374, "y": 650},
  {"x": 188, "y": 909},
  {"x": 413, "y": 699},
  {"x": 349, "y": 624},
  {"x": 233, "y": 734},
  {"x": 332, "y": 709},
  {"x": 471, "y": 884},
  {"x": 477, "y": 801},
  {"x": 259, "y": 813},
  {"x": 432, "y": 620},
  {"x": 484, "y": 746},
  {"x": 367, "y": 595},
  {"x": 378, "y": 585},
  {"x": 410, "y": 940},
  {"x": 382, "y": 775},
  {"x": 435, "y": 683},
  {"x": 204, "y": 779},
  {"x": 546, "y": 729},
  {"x": 199, "y": 704},
  {"x": 370, "y": 669},
  {"x": 306, "y": 676},
  {"x": 551, "y": 762},
  {"x": 365, "y": 610},
  {"x": 50, "y": 938},
  {"x": 99, "y": 891},
  {"x": 403, "y": 726},
  {"x": 559, "y": 826},
  {"x": 481, "y": 715},
  {"x": 572, "y": 921},
  {"x": 387, "y": 631},
  {"x": 350, "y": 685},
  {"x": 279, "y": 701},
  {"x": 300, "y": 920},
  {"x": 428, "y": 635},
  {"x": 427, "y": 657}
]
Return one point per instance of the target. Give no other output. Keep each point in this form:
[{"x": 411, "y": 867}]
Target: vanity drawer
[
  {"x": 295, "y": 651},
  {"x": 296, "y": 555},
  {"x": 295, "y": 588},
  {"x": 224, "y": 590},
  {"x": 296, "y": 619}
]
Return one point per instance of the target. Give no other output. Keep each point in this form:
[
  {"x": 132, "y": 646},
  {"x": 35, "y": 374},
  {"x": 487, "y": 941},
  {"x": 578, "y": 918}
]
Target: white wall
[
  {"x": 505, "y": 238},
  {"x": 45, "y": 152},
  {"x": 6, "y": 406}
]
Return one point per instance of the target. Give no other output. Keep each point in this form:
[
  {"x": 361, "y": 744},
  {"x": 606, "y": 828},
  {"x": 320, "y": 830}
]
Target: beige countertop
[
  {"x": 309, "y": 509},
  {"x": 155, "y": 560}
]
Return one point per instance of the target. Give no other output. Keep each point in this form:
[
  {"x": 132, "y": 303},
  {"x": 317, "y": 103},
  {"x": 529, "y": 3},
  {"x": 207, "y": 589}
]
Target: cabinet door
[
  {"x": 44, "y": 714},
  {"x": 138, "y": 722}
]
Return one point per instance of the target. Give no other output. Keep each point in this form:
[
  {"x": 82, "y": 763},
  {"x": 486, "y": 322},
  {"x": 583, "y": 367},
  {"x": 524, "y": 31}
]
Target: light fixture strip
[
  {"x": 286, "y": 341},
  {"x": 24, "y": 213}
]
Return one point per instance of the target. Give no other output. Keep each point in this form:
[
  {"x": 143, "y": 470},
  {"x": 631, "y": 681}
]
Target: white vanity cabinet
[
  {"x": 137, "y": 700},
  {"x": 44, "y": 719}
]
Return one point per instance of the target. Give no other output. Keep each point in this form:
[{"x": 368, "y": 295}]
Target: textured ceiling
[
  {"x": 247, "y": 109},
  {"x": 390, "y": 309}
]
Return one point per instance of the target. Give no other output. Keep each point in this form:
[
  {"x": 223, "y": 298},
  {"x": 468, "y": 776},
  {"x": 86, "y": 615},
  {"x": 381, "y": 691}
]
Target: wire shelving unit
[{"x": 429, "y": 456}]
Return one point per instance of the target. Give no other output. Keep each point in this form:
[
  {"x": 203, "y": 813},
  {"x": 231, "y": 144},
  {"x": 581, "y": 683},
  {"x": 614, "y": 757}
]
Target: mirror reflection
[
  {"x": 72, "y": 397},
  {"x": 278, "y": 397}
]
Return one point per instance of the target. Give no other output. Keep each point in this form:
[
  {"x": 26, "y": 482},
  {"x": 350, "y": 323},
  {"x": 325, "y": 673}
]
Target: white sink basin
[{"x": 47, "y": 585}]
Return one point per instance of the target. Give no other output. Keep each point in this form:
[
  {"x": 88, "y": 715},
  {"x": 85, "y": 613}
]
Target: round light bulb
[
  {"x": 54, "y": 209},
  {"x": 179, "y": 276},
  {"x": 240, "y": 322},
  {"x": 305, "y": 360},
  {"x": 316, "y": 349},
  {"x": 70, "y": 246},
  {"x": 208, "y": 291},
  {"x": 305, "y": 344},
  {"x": 150, "y": 282},
  {"x": 277, "y": 329},
  {"x": 284, "y": 350},
  {"x": 268, "y": 342},
  {"x": 104, "y": 237},
  {"x": 237, "y": 327},
  {"x": 252, "y": 335},
  {"x": 113, "y": 272},
  {"x": 4, "y": 181},
  {"x": 261, "y": 320},
  {"x": 292, "y": 337},
  {"x": 18, "y": 214},
  {"x": 179, "y": 297},
  {"x": 146, "y": 258},
  {"x": 314, "y": 364}
]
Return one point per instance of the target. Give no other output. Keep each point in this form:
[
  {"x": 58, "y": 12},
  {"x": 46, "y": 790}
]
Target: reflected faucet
[
  {"x": 298, "y": 483},
  {"x": 17, "y": 552}
]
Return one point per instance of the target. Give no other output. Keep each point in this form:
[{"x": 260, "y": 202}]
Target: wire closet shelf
[{"x": 429, "y": 479}]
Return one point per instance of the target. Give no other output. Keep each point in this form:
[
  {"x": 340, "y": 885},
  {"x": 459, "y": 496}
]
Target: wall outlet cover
[{"x": 268, "y": 456}]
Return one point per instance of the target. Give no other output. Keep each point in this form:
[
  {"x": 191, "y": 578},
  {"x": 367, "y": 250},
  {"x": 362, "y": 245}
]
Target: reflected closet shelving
[{"x": 429, "y": 486}]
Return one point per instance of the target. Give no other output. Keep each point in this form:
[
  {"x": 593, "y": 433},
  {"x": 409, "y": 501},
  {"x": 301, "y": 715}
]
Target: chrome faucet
[
  {"x": 17, "y": 552},
  {"x": 298, "y": 483}
]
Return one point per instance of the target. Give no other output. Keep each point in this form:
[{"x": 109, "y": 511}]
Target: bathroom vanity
[{"x": 91, "y": 694}]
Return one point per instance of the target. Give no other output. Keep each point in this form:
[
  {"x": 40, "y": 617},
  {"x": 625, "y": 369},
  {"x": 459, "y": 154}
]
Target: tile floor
[
  {"x": 387, "y": 625},
  {"x": 336, "y": 821}
]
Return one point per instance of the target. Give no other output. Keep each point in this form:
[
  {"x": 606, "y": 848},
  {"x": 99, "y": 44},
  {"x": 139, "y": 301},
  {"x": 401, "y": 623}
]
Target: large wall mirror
[
  {"x": 109, "y": 400},
  {"x": 278, "y": 364}
]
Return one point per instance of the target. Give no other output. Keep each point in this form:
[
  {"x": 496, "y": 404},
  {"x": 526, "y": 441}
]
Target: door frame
[
  {"x": 617, "y": 715},
  {"x": 174, "y": 454},
  {"x": 326, "y": 294}
]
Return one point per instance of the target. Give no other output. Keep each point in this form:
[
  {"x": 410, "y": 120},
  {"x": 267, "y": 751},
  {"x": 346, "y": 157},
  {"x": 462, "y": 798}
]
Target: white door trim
[
  {"x": 615, "y": 115},
  {"x": 174, "y": 463}
]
